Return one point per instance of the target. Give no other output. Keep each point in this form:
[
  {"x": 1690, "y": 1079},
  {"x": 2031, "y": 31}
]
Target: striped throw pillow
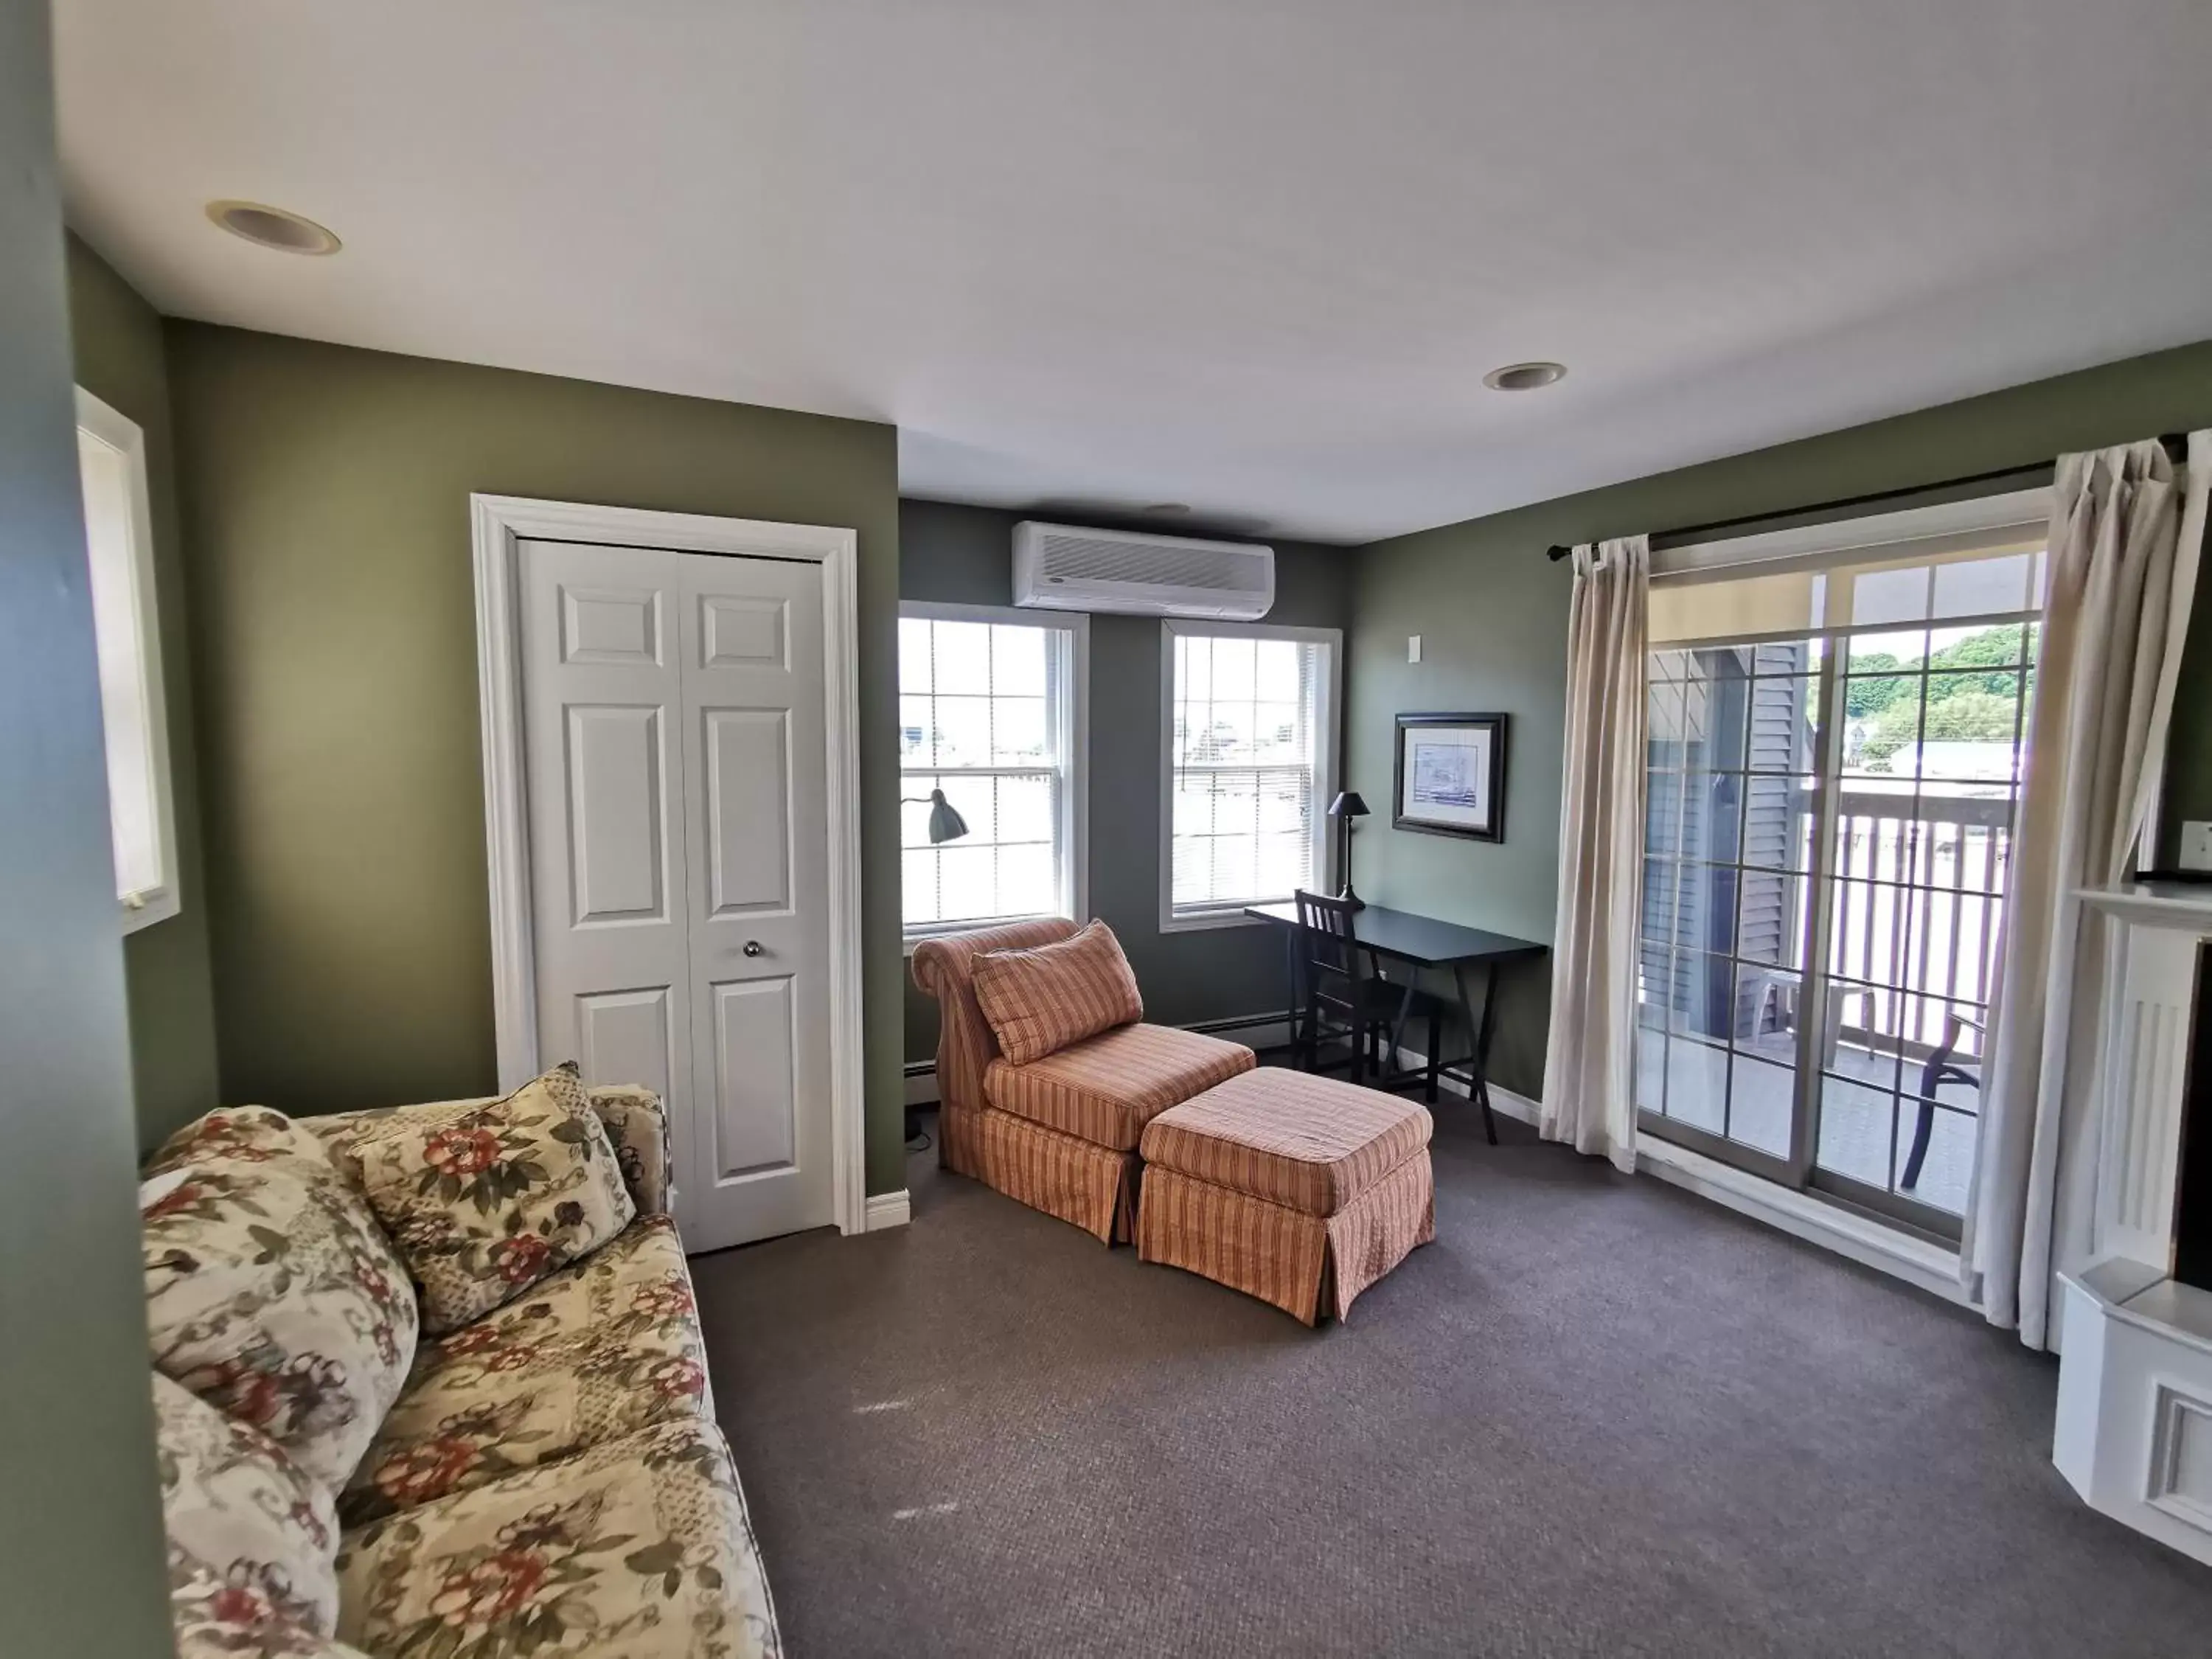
[{"x": 1041, "y": 999}]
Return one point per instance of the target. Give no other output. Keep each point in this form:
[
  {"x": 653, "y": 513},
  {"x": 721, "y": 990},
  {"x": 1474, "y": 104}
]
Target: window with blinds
[
  {"x": 990, "y": 712},
  {"x": 1249, "y": 761}
]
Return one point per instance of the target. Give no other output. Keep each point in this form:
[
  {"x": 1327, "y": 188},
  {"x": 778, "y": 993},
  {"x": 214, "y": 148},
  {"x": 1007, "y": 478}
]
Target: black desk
[{"x": 1425, "y": 942}]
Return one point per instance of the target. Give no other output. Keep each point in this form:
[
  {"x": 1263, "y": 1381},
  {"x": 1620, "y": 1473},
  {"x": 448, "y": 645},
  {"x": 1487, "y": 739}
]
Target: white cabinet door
[
  {"x": 673, "y": 714},
  {"x": 758, "y": 862},
  {"x": 602, "y": 702}
]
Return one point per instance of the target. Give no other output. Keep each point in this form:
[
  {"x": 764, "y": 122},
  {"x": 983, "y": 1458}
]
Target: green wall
[
  {"x": 965, "y": 555},
  {"x": 1493, "y": 614},
  {"x": 319, "y": 649},
  {"x": 120, "y": 360},
  {"x": 325, "y": 493},
  {"x": 82, "y": 1555}
]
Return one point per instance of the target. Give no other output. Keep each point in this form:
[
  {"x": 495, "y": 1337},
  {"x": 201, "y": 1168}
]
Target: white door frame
[{"x": 498, "y": 525}]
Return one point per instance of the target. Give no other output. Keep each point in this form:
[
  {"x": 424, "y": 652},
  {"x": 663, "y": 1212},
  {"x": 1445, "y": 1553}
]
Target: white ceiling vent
[{"x": 1058, "y": 567}]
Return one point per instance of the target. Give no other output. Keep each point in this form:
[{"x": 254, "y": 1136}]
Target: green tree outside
[{"x": 1962, "y": 708}]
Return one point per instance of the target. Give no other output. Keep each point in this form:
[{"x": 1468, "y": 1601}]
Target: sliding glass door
[
  {"x": 1728, "y": 839},
  {"x": 1827, "y": 833}
]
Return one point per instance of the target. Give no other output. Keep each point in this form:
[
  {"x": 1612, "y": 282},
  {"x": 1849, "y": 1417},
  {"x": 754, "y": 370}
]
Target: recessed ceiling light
[
  {"x": 1524, "y": 377},
  {"x": 1169, "y": 509},
  {"x": 268, "y": 227}
]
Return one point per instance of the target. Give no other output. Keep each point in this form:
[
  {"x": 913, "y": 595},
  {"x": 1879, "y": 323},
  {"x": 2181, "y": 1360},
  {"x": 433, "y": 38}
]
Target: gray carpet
[{"x": 1597, "y": 1416}]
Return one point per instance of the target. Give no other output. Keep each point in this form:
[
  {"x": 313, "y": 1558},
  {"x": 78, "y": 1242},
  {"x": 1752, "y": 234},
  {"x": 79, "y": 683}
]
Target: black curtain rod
[{"x": 2175, "y": 441}]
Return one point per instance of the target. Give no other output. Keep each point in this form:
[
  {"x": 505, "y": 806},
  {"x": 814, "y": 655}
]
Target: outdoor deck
[{"x": 1866, "y": 1130}]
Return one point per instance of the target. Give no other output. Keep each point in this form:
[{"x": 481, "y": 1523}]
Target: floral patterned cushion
[
  {"x": 233, "y": 1500},
  {"x": 637, "y": 1123},
  {"x": 640, "y": 1548},
  {"x": 601, "y": 1349},
  {"x": 246, "y": 1134},
  {"x": 635, "y": 1119},
  {"x": 602, "y": 1289},
  {"x": 271, "y": 1295},
  {"x": 259, "y": 1135},
  {"x": 485, "y": 1201},
  {"x": 217, "y": 1616}
]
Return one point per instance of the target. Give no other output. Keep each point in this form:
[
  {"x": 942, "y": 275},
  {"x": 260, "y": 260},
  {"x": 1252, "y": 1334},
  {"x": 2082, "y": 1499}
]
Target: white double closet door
[{"x": 673, "y": 715}]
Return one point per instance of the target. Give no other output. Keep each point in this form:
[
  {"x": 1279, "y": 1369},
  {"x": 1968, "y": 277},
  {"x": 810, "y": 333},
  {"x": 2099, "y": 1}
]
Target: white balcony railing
[{"x": 1918, "y": 896}]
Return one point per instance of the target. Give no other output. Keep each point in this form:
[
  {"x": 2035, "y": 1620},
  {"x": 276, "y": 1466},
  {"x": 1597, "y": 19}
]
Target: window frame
[
  {"x": 1954, "y": 527},
  {"x": 1328, "y": 701},
  {"x": 104, "y": 425},
  {"x": 1073, "y": 829}
]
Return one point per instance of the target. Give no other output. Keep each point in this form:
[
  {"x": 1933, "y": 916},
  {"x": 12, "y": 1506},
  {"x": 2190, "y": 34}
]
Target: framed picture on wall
[{"x": 1451, "y": 775}]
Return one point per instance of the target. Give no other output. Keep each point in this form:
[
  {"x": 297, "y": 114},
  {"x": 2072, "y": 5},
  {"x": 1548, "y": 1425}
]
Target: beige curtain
[
  {"x": 1589, "y": 1060},
  {"x": 2125, "y": 532}
]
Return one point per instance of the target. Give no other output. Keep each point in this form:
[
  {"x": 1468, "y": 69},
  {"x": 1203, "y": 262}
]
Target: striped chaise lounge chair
[{"x": 1059, "y": 1133}]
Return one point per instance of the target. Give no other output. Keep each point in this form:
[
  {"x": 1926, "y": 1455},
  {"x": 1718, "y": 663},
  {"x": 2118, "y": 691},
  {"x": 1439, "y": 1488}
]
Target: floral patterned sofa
[{"x": 546, "y": 1478}]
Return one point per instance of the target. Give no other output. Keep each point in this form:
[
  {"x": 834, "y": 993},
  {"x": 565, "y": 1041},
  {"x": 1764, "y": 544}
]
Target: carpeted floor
[{"x": 1597, "y": 1416}]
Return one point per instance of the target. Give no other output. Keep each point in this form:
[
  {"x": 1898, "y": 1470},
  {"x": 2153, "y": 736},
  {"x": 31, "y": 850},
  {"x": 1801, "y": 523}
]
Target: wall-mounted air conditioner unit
[{"x": 1058, "y": 567}]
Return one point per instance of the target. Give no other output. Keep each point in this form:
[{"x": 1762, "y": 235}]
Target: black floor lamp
[
  {"x": 1345, "y": 808},
  {"x": 945, "y": 824}
]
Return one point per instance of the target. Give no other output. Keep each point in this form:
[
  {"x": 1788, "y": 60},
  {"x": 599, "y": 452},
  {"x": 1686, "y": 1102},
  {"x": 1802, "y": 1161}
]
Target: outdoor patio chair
[{"x": 1941, "y": 1068}]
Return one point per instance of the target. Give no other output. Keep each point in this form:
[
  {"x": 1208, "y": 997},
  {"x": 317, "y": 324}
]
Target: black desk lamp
[
  {"x": 946, "y": 823},
  {"x": 1345, "y": 808}
]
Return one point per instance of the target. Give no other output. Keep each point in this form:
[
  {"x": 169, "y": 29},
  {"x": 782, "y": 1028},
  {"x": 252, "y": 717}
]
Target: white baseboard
[
  {"x": 888, "y": 1210},
  {"x": 1926, "y": 1266},
  {"x": 1503, "y": 1101},
  {"x": 1919, "y": 1262}
]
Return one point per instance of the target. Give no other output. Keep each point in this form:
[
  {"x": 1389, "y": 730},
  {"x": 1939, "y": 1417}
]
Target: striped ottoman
[{"x": 1297, "y": 1189}]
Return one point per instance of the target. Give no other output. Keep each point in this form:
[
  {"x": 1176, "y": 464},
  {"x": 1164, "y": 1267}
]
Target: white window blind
[
  {"x": 989, "y": 713},
  {"x": 118, "y": 538},
  {"x": 1250, "y": 753},
  {"x": 1786, "y": 585}
]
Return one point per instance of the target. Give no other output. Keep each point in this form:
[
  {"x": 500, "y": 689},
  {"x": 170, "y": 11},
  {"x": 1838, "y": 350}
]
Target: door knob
[{"x": 752, "y": 947}]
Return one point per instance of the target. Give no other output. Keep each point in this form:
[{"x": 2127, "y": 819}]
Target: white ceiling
[{"x": 1251, "y": 256}]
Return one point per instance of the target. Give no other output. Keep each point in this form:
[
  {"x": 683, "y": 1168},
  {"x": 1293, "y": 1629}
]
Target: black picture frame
[{"x": 1492, "y": 824}]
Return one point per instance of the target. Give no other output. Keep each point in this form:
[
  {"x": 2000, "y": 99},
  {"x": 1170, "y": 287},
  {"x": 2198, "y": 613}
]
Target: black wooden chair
[
  {"x": 1342, "y": 996},
  {"x": 1941, "y": 1068}
]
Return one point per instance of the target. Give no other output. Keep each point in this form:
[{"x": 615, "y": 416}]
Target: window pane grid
[
  {"x": 1730, "y": 779},
  {"x": 1928, "y": 758},
  {"x": 1243, "y": 753},
  {"x": 982, "y": 714}
]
